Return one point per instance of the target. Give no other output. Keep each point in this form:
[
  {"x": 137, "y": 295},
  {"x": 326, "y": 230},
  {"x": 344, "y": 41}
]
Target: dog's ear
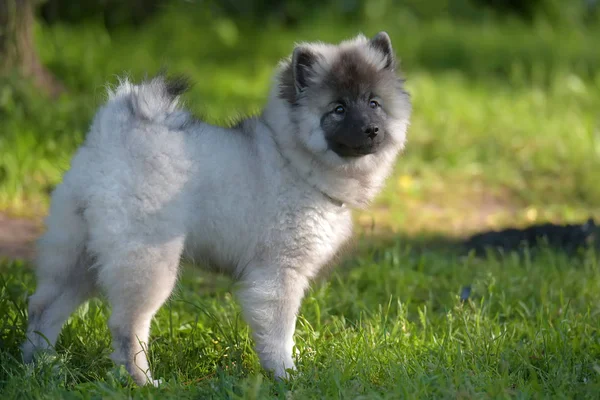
[
  {"x": 382, "y": 43},
  {"x": 303, "y": 60}
]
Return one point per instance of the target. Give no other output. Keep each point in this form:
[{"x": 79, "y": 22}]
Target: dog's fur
[{"x": 267, "y": 201}]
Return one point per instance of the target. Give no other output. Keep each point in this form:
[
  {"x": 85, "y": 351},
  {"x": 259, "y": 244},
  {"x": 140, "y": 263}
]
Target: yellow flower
[
  {"x": 531, "y": 214},
  {"x": 405, "y": 181}
]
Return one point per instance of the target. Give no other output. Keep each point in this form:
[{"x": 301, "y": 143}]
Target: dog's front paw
[
  {"x": 156, "y": 382},
  {"x": 284, "y": 370},
  {"x": 284, "y": 374}
]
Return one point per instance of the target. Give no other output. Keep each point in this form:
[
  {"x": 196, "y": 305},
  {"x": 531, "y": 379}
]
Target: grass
[
  {"x": 506, "y": 131},
  {"x": 391, "y": 326}
]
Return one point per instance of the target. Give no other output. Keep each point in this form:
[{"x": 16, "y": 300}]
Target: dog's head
[{"x": 346, "y": 101}]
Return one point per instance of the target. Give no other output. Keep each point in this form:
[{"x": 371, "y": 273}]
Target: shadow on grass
[{"x": 567, "y": 238}]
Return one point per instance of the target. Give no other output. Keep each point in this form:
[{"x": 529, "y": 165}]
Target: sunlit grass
[{"x": 387, "y": 326}]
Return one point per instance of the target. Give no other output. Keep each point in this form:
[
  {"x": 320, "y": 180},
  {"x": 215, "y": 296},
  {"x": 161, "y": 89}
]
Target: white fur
[{"x": 150, "y": 184}]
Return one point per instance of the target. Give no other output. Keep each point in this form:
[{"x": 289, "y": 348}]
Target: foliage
[
  {"x": 499, "y": 107},
  {"x": 117, "y": 13}
]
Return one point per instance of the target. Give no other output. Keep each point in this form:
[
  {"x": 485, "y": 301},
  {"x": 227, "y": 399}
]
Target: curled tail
[{"x": 154, "y": 101}]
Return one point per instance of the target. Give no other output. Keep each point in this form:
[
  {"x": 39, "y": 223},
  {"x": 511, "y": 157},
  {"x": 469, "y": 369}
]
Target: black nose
[{"x": 371, "y": 131}]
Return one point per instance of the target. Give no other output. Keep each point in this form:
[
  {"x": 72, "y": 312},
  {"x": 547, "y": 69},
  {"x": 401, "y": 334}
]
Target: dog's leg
[
  {"x": 51, "y": 305},
  {"x": 136, "y": 286},
  {"x": 270, "y": 300},
  {"x": 63, "y": 277}
]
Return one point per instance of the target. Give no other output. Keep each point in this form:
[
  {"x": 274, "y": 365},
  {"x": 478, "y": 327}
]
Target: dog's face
[{"x": 346, "y": 101}]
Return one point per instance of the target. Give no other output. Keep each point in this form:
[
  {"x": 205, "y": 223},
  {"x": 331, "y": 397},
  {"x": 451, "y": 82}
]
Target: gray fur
[
  {"x": 268, "y": 201},
  {"x": 383, "y": 43}
]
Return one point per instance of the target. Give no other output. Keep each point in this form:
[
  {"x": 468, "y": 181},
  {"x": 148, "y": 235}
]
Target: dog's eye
[
  {"x": 373, "y": 104},
  {"x": 340, "y": 109}
]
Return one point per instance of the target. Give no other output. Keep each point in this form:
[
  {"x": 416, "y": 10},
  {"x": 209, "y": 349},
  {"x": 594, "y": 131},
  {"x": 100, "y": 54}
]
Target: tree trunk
[{"x": 17, "y": 51}]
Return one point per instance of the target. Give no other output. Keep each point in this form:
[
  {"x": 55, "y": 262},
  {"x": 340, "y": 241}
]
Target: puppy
[{"x": 267, "y": 201}]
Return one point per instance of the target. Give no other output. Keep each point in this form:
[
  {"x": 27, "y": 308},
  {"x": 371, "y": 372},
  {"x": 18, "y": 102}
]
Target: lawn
[{"x": 505, "y": 131}]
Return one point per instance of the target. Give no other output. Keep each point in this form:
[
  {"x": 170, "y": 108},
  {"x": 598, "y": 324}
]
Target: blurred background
[
  {"x": 506, "y": 123},
  {"x": 505, "y": 132}
]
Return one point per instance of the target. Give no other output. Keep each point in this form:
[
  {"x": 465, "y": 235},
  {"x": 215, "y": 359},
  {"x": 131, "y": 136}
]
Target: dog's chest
[
  {"x": 311, "y": 237},
  {"x": 294, "y": 235}
]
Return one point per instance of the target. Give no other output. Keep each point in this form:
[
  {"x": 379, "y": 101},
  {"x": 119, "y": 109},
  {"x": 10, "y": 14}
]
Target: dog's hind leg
[
  {"x": 136, "y": 285},
  {"x": 64, "y": 280}
]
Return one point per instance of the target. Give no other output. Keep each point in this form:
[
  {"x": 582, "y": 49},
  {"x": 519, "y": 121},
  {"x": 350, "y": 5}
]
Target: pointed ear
[
  {"x": 303, "y": 60},
  {"x": 382, "y": 42}
]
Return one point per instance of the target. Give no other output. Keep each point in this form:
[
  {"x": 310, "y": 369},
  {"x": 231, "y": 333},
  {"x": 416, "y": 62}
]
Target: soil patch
[{"x": 17, "y": 237}]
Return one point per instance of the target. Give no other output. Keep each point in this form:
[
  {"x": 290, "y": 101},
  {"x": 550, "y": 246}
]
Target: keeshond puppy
[{"x": 267, "y": 201}]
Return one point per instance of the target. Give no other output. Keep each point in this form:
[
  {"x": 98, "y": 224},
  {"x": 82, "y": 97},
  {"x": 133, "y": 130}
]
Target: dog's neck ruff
[
  {"x": 337, "y": 202},
  {"x": 331, "y": 199}
]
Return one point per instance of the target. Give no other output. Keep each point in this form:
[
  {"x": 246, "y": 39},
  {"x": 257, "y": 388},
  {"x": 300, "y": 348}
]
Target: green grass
[
  {"x": 390, "y": 326},
  {"x": 505, "y": 131}
]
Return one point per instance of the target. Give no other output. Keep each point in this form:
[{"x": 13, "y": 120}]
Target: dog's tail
[{"x": 154, "y": 101}]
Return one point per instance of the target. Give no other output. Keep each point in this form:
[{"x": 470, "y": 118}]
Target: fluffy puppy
[{"x": 267, "y": 201}]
